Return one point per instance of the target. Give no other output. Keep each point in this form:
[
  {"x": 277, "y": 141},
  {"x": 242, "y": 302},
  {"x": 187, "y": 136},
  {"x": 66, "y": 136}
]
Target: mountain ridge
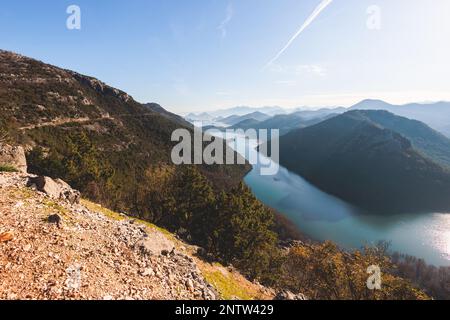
[
  {"x": 366, "y": 164},
  {"x": 435, "y": 114}
]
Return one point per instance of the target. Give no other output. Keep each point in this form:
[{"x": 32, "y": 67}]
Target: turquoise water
[{"x": 324, "y": 217}]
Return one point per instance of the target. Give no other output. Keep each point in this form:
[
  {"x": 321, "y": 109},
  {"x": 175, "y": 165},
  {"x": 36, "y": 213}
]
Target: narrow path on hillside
[{"x": 60, "y": 122}]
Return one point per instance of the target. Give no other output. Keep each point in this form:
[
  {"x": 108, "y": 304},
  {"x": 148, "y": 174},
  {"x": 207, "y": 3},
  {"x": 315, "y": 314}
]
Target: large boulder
[
  {"x": 56, "y": 189},
  {"x": 155, "y": 244},
  {"x": 13, "y": 156}
]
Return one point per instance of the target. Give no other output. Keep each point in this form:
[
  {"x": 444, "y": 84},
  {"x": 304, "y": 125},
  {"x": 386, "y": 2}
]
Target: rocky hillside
[
  {"x": 94, "y": 136},
  {"x": 52, "y": 247}
]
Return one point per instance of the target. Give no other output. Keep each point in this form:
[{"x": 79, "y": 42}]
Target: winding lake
[{"x": 321, "y": 217}]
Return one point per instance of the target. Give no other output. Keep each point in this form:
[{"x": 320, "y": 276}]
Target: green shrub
[{"x": 8, "y": 168}]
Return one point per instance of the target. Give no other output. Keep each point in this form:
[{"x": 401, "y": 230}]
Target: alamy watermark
[
  {"x": 73, "y": 280},
  {"x": 374, "y": 280},
  {"x": 209, "y": 148},
  {"x": 73, "y": 22},
  {"x": 374, "y": 18}
]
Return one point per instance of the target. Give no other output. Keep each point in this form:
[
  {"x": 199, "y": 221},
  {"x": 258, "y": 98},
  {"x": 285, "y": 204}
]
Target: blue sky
[{"x": 191, "y": 55}]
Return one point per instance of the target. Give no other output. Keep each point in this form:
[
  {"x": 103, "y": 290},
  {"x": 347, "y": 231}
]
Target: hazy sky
[{"x": 191, "y": 55}]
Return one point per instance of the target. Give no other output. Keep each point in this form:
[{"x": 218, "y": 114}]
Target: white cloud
[
  {"x": 229, "y": 16},
  {"x": 311, "y": 18}
]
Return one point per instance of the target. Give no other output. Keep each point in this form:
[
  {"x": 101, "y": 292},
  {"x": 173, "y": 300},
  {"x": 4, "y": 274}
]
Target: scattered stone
[
  {"x": 6, "y": 236},
  {"x": 93, "y": 257},
  {"x": 147, "y": 272},
  {"x": 54, "y": 218}
]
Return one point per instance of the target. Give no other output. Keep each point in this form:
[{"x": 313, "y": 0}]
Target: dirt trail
[
  {"x": 63, "y": 121},
  {"x": 59, "y": 122}
]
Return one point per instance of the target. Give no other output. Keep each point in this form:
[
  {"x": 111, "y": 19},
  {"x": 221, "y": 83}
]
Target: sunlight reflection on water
[{"x": 324, "y": 217}]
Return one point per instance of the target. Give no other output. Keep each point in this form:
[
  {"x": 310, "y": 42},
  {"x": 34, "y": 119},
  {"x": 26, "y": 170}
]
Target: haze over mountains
[
  {"x": 132, "y": 136},
  {"x": 367, "y": 154},
  {"x": 236, "y": 111},
  {"x": 117, "y": 151},
  {"x": 234, "y": 119},
  {"x": 436, "y": 115},
  {"x": 374, "y": 159},
  {"x": 283, "y": 121}
]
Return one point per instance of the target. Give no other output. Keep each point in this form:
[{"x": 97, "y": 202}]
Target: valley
[
  {"x": 224, "y": 150},
  {"x": 116, "y": 152},
  {"x": 323, "y": 217}
]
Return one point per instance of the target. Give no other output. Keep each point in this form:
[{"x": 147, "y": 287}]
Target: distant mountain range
[
  {"x": 436, "y": 115},
  {"x": 258, "y": 120},
  {"x": 381, "y": 157},
  {"x": 232, "y": 120},
  {"x": 374, "y": 159},
  {"x": 236, "y": 111},
  {"x": 285, "y": 122}
]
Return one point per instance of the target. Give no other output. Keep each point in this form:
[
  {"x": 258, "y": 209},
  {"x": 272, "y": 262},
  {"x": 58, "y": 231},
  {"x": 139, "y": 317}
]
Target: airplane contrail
[{"x": 311, "y": 18}]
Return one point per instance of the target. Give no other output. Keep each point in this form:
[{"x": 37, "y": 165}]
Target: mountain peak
[{"x": 370, "y": 104}]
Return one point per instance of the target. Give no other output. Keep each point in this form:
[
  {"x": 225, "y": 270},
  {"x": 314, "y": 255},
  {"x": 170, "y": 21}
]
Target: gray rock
[
  {"x": 13, "y": 156},
  {"x": 147, "y": 272},
  {"x": 56, "y": 189},
  {"x": 156, "y": 245}
]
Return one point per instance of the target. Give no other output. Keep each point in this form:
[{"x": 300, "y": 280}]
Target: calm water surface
[{"x": 324, "y": 217}]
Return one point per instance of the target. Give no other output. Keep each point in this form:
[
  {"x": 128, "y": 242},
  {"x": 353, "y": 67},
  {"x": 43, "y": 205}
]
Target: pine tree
[
  {"x": 196, "y": 200},
  {"x": 243, "y": 232},
  {"x": 82, "y": 162}
]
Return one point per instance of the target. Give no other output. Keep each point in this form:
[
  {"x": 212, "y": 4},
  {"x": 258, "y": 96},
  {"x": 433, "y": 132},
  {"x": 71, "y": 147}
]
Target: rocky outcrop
[
  {"x": 101, "y": 87},
  {"x": 56, "y": 189},
  {"x": 148, "y": 245},
  {"x": 13, "y": 156}
]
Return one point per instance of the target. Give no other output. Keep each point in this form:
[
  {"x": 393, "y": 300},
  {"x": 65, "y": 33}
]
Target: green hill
[{"x": 378, "y": 161}]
